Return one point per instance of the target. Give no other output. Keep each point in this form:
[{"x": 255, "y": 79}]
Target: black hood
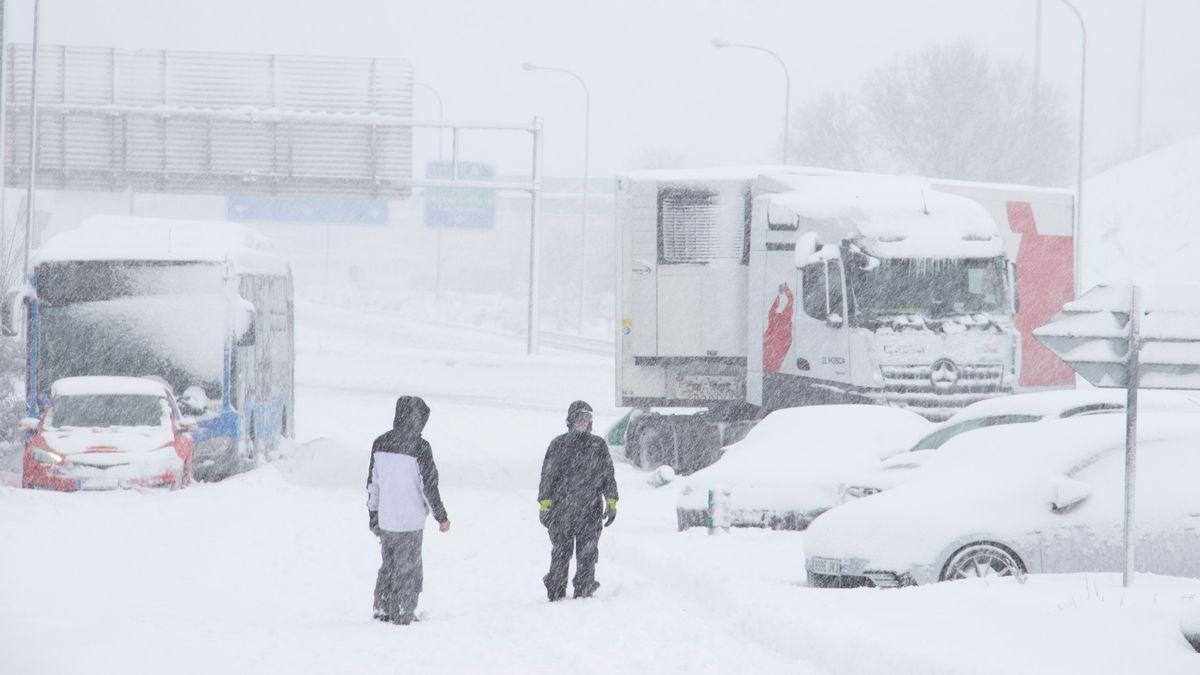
[{"x": 411, "y": 415}]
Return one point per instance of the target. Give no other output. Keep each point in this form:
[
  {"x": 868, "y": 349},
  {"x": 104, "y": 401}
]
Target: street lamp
[
  {"x": 787, "y": 84},
  {"x": 1078, "y": 253},
  {"x": 33, "y": 142},
  {"x": 587, "y": 131},
  {"x": 437, "y": 265},
  {"x": 437, "y": 97}
]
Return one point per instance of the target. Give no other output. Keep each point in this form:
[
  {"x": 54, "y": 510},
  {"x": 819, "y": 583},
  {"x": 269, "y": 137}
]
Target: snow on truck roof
[
  {"x": 896, "y": 216},
  {"x": 143, "y": 239},
  {"x": 95, "y": 385}
]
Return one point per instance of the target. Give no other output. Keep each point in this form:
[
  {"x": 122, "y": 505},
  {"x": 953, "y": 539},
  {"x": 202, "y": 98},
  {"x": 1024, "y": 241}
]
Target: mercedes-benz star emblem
[{"x": 943, "y": 375}]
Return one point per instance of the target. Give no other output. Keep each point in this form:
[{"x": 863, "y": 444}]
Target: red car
[{"x": 104, "y": 433}]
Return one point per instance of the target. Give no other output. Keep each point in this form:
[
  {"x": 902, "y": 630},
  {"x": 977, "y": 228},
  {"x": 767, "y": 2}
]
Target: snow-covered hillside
[{"x": 1142, "y": 218}]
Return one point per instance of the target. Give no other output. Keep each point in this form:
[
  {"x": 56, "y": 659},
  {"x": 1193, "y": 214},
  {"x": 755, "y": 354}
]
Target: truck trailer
[{"x": 743, "y": 291}]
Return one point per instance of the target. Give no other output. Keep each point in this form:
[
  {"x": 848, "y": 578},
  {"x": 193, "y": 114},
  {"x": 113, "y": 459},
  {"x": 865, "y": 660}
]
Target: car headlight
[
  {"x": 48, "y": 457},
  {"x": 859, "y": 491}
]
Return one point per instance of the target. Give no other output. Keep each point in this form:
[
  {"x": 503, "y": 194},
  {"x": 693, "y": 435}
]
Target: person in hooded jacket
[
  {"x": 578, "y": 493},
  {"x": 402, "y": 489}
]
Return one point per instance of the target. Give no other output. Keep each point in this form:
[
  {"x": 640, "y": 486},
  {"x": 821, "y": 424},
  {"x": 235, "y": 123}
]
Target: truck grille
[{"x": 938, "y": 390}]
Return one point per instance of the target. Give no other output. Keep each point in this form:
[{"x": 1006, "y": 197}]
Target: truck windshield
[
  {"x": 931, "y": 288},
  {"x": 132, "y": 319}
]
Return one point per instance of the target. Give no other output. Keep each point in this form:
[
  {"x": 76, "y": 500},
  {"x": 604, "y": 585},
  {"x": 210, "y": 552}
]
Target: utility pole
[
  {"x": 1037, "y": 58},
  {"x": 1141, "y": 89},
  {"x": 1078, "y": 234}
]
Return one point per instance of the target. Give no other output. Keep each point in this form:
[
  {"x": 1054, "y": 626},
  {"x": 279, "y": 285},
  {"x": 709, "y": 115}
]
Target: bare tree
[{"x": 948, "y": 111}]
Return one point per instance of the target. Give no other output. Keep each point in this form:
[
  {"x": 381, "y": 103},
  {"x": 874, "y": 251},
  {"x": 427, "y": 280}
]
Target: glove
[
  {"x": 374, "y": 521},
  {"x": 612, "y": 512},
  {"x": 544, "y": 512}
]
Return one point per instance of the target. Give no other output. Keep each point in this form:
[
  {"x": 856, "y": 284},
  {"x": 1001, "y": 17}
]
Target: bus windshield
[{"x": 132, "y": 319}]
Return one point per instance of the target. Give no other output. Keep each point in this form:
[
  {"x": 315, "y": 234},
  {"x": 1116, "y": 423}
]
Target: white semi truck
[{"x": 743, "y": 291}]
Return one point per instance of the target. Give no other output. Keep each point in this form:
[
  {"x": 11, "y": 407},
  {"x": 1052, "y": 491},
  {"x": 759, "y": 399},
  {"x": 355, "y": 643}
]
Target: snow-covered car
[
  {"x": 789, "y": 468},
  {"x": 1023, "y": 498},
  {"x": 103, "y": 433},
  {"x": 1017, "y": 409}
]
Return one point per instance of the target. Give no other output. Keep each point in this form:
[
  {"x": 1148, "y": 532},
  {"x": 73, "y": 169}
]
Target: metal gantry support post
[
  {"x": 535, "y": 226},
  {"x": 1131, "y": 417}
]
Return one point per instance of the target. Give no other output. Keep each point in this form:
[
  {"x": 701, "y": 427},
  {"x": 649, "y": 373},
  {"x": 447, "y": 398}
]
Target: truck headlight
[{"x": 48, "y": 457}]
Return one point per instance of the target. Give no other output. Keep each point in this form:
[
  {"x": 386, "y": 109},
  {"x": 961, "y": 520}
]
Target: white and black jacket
[{"x": 402, "y": 482}]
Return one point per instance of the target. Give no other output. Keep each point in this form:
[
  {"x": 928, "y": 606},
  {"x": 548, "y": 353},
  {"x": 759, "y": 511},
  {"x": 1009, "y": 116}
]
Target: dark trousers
[
  {"x": 400, "y": 575},
  {"x": 585, "y": 544}
]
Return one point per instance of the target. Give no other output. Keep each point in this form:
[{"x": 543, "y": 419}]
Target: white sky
[{"x": 655, "y": 80}]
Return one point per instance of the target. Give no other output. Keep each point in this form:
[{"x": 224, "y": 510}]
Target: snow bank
[{"x": 325, "y": 463}]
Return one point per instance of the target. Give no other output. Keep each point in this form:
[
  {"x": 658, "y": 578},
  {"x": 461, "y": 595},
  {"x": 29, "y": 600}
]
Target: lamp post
[
  {"x": 437, "y": 264},
  {"x": 587, "y": 132},
  {"x": 787, "y": 83},
  {"x": 1082, "y": 109},
  {"x": 33, "y": 145},
  {"x": 437, "y": 97}
]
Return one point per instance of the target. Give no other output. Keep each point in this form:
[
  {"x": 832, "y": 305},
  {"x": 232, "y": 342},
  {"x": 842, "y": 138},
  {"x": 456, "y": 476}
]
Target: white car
[
  {"x": 1025, "y": 498},
  {"x": 789, "y": 467},
  {"x": 1018, "y": 409}
]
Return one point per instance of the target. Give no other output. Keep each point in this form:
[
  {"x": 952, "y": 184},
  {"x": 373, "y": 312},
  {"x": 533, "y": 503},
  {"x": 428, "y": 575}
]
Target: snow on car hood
[
  {"x": 996, "y": 484},
  {"x": 73, "y": 441},
  {"x": 795, "y": 459}
]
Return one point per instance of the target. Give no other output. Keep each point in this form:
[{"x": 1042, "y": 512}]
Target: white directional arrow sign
[
  {"x": 1130, "y": 336},
  {"x": 1093, "y": 335}
]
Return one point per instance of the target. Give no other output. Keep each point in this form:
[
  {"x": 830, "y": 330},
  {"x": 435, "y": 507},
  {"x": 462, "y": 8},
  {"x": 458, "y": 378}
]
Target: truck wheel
[
  {"x": 686, "y": 443},
  {"x": 651, "y": 443}
]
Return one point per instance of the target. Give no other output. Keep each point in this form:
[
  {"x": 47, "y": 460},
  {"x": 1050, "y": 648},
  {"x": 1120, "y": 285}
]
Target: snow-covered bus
[{"x": 203, "y": 306}]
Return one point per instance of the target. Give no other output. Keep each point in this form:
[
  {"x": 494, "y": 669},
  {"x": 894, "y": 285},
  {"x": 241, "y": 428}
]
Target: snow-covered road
[{"x": 271, "y": 571}]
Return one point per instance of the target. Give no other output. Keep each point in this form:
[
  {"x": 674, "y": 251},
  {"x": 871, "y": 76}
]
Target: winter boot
[
  {"x": 587, "y": 591},
  {"x": 556, "y": 594}
]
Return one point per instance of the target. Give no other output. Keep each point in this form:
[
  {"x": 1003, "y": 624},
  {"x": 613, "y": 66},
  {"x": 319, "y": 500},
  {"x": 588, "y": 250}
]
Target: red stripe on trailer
[{"x": 1045, "y": 280}]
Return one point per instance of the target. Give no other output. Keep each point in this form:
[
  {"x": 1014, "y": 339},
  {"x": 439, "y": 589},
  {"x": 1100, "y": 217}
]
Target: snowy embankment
[
  {"x": 1142, "y": 218},
  {"x": 271, "y": 571}
]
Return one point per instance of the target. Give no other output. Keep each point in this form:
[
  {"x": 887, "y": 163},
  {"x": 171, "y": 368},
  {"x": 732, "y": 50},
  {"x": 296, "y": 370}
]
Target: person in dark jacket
[
  {"x": 402, "y": 489},
  {"x": 578, "y": 493}
]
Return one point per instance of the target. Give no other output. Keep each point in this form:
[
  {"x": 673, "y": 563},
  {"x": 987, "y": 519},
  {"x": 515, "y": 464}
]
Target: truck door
[{"x": 822, "y": 337}]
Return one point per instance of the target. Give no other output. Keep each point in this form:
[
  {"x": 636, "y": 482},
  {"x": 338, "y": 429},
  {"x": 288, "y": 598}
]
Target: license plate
[
  {"x": 708, "y": 387},
  {"x": 825, "y": 566}
]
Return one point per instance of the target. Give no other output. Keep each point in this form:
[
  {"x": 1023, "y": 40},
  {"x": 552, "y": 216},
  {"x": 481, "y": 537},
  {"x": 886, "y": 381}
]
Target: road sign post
[{"x": 1130, "y": 336}]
